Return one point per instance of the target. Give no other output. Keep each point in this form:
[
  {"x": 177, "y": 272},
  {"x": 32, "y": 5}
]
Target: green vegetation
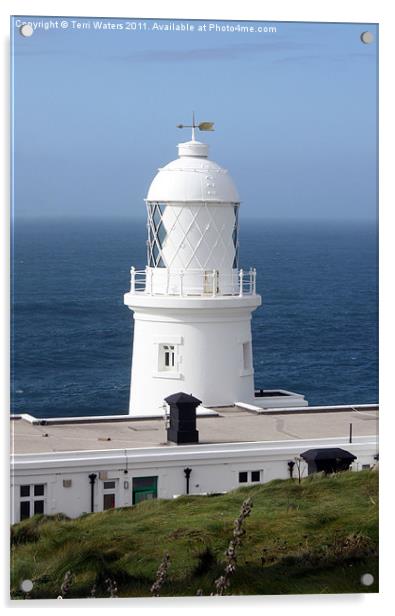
[{"x": 319, "y": 536}]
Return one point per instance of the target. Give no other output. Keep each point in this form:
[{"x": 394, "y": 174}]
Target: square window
[
  {"x": 25, "y": 510},
  {"x": 109, "y": 485},
  {"x": 243, "y": 477},
  {"x": 255, "y": 475},
  {"x": 38, "y": 506},
  {"x": 25, "y": 490},
  {"x": 39, "y": 489},
  {"x": 108, "y": 501},
  {"x": 167, "y": 357}
]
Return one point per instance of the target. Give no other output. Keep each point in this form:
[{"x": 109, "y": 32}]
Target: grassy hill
[{"x": 317, "y": 537}]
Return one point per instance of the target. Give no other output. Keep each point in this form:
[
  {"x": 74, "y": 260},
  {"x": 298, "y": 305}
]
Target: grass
[{"x": 319, "y": 536}]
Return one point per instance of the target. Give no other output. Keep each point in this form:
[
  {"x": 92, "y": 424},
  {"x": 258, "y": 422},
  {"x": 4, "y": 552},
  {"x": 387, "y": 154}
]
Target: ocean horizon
[{"x": 316, "y": 332}]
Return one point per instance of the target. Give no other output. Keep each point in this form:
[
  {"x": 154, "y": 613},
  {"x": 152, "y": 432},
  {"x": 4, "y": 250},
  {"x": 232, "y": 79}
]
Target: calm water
[{"x": 316, "y": 332}]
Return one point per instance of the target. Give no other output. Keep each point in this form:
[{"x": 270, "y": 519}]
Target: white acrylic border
[{"x": 361, "y": 11}]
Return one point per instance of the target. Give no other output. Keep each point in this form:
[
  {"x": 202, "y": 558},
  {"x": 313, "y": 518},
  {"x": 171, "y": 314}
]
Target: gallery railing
[{"x": 192, "y": 282}]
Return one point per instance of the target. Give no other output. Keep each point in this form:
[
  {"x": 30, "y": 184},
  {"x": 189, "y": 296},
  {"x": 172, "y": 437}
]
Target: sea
[{"x": 316, "y": 332}]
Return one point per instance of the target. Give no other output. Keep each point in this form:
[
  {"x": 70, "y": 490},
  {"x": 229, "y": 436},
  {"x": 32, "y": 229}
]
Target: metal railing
[{"x": 192, "y": 282}]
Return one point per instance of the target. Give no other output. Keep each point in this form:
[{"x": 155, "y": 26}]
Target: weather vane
[{"x": 202, "y": 126}]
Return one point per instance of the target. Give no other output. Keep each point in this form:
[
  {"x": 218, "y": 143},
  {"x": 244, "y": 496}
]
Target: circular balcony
[{"x": 192, "y": 282}]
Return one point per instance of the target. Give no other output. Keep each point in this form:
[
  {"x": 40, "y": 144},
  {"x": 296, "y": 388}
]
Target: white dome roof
[{"x": 193, "y": 177}]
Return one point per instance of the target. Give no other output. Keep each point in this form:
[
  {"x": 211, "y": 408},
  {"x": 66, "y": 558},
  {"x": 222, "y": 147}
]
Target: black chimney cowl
[{"x": 182, "y": 429}]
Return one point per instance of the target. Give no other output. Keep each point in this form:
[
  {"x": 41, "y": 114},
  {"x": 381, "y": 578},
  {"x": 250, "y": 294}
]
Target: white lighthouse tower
[{"x": 192, "y": 305}]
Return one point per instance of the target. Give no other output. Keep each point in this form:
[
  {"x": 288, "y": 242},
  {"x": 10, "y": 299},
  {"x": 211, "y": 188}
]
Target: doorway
[{"x": 144, "y": 488}]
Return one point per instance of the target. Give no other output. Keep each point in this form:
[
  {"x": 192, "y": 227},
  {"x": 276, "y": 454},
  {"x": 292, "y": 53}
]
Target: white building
[
  {"x": 192, "y": 304},
  {"x": 79, "y": 465}
]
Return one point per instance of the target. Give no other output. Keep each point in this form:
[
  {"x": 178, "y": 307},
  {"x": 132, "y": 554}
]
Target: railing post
[
  {"x": 181, "y": 283},
  {"x": 254, "y": 282},
  {"x": 132, "y": 279},
  {"x": 151, "y": 276},
  {"x": 214, "y": 288},
  {"x": 241, "y": 274}
]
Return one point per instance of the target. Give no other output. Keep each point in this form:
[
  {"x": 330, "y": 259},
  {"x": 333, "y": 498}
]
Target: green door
[{"x": 144, "y": 488}]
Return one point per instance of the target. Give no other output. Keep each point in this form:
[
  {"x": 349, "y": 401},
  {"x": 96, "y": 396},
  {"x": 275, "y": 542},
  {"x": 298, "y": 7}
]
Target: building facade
[{"x": 136, "y": 462}]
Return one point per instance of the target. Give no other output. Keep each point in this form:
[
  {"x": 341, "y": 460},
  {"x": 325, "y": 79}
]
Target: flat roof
[{"x": 228, "y": 425}]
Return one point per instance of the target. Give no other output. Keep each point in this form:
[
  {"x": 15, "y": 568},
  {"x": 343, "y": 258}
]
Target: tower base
[{"x": 198, "y": 345}]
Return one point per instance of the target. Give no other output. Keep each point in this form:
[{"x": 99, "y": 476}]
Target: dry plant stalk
[
  {"x": 65, "y": 587},
  {"x": 161, "y": 575},
  {"x": 223, "y": 582},
  {"x": 111, "y": 588}
]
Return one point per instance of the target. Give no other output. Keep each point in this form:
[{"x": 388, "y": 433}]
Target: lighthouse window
[
  {"x": 246, "y": 355},
  {"x": 235, "y": 237},
  {"x": 157, "y": 216},
  {"x": 156, "y": 234},
  {"x": 161, "y": 234},
  {"x": 167, "y": 357}
]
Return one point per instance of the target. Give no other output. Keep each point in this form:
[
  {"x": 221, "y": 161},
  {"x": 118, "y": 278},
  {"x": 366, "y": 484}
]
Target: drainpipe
[
  {"x": 92, "y": 479},
  {"x": 187, "y": 473},
  {"x": 291, "y": 465}
]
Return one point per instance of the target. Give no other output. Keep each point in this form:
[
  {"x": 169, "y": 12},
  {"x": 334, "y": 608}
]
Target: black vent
[
  {"x": 182, "y": 428},
  {"x": 328, "y": 460}
]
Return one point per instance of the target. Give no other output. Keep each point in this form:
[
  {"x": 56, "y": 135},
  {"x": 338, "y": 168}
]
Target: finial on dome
[{"x": 204, "y": 126}]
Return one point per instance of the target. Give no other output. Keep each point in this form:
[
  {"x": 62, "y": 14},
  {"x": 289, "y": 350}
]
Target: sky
[{"x": 95, "y": 114}]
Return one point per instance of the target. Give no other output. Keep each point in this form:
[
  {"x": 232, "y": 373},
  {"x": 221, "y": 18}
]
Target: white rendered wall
[
  {"x": 215, "y": 468},
  {"x": 210, "y": 362}
]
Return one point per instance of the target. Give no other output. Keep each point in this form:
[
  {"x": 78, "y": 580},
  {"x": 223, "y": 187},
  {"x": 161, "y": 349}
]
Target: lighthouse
[{"x": 192, "y": 304}]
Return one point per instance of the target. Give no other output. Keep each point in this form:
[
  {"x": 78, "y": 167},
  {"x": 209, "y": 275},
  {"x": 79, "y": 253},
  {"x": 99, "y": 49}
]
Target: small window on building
[
  {"x": 247, "y": 355},
  {"x": 32, "y": 501},
  {"x": 109, "y": 485},
  {"x": 255, "y": 475},
  {"x": 38, "y": 506},
  {"x": 39, "y": 489},
  {"x": 243, "y": 477},
  {"x": 108, "y": 501},
  {"x": 24, "y": 510},
  {"x": 25, "y": 491},
  {"x": 366, "y": 467},
  {"x": 167, "y": 357}
]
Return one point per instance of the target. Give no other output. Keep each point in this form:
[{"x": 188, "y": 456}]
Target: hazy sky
[{"x": 95, "y": 114}]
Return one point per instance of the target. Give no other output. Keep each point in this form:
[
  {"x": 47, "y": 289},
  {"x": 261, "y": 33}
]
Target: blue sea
[{"x": 316, "y": 332}]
